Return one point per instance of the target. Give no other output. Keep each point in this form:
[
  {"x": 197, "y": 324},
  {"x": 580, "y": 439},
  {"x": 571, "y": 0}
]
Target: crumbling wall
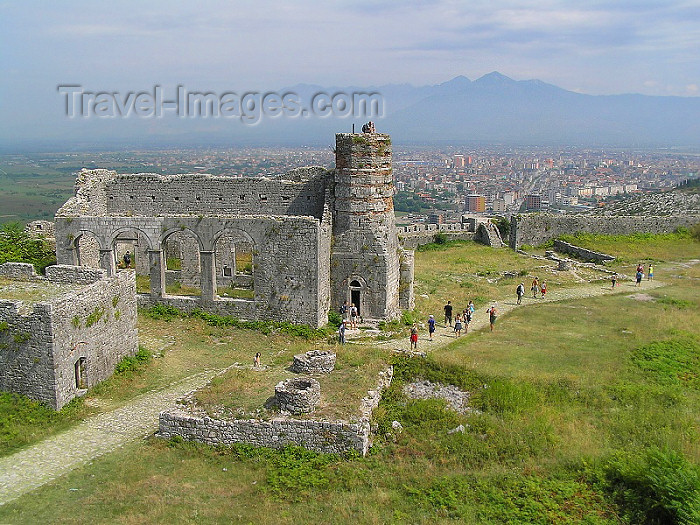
[
  {"x": 40, "y": 344},
  {"x": 536, "y": 229}
]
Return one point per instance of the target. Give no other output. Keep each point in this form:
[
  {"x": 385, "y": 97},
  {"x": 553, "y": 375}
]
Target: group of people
[
  {"x": 462, "y": 320},
  {"x": 350, "y": 317},
  {"x": 640, "y": 273}
]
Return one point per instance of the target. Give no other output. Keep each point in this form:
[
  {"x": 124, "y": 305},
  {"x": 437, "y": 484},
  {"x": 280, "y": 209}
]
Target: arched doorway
[
  {"x": 182, "y": 263},
  {"x": 356, "y": 295}
]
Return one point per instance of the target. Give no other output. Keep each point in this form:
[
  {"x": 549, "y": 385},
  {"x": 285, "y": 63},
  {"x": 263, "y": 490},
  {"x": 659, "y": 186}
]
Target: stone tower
[{"x": 367, "y": 263}]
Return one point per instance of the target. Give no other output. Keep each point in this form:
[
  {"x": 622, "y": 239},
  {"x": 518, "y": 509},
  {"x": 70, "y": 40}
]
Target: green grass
[{"x": 586, "y": 412}]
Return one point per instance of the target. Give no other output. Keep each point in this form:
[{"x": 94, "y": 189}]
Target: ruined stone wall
[
  {"x": 98, "y": 323},
  {"x": 319, "y": 436},
  {"x": 153, "y": 194},
  {"x": 26, "y": 351},
  {"x": 536, "y": 229},
  {"x": 416, "y": 235},
  {"x": 581, "y": 253},
  {"x": 331, "y": 437},
  {"x": 39, "y": 345}
]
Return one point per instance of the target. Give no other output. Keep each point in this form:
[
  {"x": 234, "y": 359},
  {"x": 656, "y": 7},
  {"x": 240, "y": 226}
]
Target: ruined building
[{"x": 287, "y": 248}]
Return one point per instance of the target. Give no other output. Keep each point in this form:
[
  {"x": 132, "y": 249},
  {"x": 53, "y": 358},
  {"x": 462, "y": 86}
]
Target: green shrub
[
  {"x": 655, "y": 486},
  {"x": 163, "y": 312},
  {"x": 334, "y": 318},
  {"x": 132, "y": 363},
  {"x": 671, "y": 362}
]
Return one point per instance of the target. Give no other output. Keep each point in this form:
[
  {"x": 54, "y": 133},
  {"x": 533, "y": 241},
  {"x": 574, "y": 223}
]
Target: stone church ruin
[{"x": 287, "y": 248}]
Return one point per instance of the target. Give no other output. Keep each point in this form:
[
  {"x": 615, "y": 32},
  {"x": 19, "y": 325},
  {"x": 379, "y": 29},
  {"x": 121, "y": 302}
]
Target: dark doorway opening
[{"x": 355, "y": 299}]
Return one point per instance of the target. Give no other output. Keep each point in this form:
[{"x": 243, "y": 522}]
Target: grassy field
[{"x": 586, "y": 411}]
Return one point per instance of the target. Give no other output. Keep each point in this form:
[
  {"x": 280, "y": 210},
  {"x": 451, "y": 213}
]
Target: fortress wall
[
  {"x": 39, "y": 346},
  {"x": 97, "y": 322},
  {"x": 26, "y": 351},
  {"x": 417, "y": 235},
  {"x": 536, "y": 229},
  {"x": 152, "y": 194}
]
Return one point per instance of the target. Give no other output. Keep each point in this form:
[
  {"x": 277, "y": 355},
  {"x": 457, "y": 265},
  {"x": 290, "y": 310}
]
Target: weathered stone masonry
[
  {"x": 53, "y": 350},
  {"x": 538, "y": 228},
  {"x": 318, "y": 238},
  {"x": 333, "y": 437}
]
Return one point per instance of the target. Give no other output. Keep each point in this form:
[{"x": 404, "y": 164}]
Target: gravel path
[
  {"x": 31, "y": 468},
  {"x": 444, "y": 335}
]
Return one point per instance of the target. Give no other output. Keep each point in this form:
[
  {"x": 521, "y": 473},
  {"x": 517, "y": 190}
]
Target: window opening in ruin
[
  {"x": 81, "y": 373},
  {"x": 234, "y": 254},
  {"x": 263, "y": 198},
  {"x": 286, "y": 198},
  {"x": 182, "y": 264},
  {"x": 242, "y": 197}
]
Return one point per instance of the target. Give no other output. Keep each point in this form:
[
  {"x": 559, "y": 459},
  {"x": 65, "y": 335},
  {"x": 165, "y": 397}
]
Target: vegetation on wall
[{"x": 16, "y": 245}]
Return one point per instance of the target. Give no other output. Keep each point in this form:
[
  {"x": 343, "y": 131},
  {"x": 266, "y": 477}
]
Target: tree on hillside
[{"x": 16, "y": 245}]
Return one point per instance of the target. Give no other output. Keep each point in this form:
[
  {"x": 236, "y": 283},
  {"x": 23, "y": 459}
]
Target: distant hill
[
  {"x": 498, "y": 109},
  {"x": 493, "y": 109}
]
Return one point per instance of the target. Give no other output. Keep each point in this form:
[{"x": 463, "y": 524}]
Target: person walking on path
[
  {"x": 467, "y": 319},
  {"x": 493, "y": 315},
  {"x": 471, "y": 307},
  {"x": 520, "y": 291},
  {"x": 640, "y": 276},
  {"x": 127, "y": 259},
  {"x": 543, "y": 288},
  {"x": 458, "y": 325},
  {"x": 650, "y": 273},
  {"x": 256, "y": 360},
  {"x": 414, "y": 337},
  {"x": 535, "y": 287},
  {"x": 448, "y": 313},
  {"x": 614, "y": 279},
  {"x": 431, "y": 326}
]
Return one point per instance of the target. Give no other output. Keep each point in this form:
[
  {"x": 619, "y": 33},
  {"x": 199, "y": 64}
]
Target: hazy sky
[{"x": 596, "y": 47}]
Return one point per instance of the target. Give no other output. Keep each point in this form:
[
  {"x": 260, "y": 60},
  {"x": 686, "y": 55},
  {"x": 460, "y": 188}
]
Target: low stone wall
[
  {"x": 319, "y": 436},
  {"x": 18, "y": 271},
  {"x": 331, "y": 437},
  {"x": 581, "y": 253}
]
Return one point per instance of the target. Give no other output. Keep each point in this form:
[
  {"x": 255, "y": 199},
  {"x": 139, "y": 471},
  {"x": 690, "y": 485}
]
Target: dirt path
[
  {"x": 445, "y": 335},
  {"x": 29, "y": 469}
]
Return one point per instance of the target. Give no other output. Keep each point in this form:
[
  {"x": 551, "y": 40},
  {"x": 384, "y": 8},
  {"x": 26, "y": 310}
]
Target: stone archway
[{"x": 183, "y": 268}]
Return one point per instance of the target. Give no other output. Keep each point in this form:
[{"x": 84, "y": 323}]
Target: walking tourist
[
  {"x": 353, "y": 316},
  {"x": 414, "y": 336},
  {"x": 650, "y": 273},
  {"x": 493, "y": 315},
  {"x": 543, "y": 288},
  {"x": 431, "y": 326},
  {"x": 341, "y": 333},
  {"x": 519, "y": 292},
  {"x": 458, "y": 325},
  {"x": 448, "y": 313},
  {"x": 614, "y": 279},
  {"x": 535, "y": 287}
]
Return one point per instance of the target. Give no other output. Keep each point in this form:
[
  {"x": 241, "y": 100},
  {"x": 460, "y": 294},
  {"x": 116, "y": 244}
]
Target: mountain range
[
  {"x": 493, "y": 109},
  {"x": 498, "y": 109}
]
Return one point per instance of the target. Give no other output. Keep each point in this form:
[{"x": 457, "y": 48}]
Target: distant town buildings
[{"x": 475, "y": 203}]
